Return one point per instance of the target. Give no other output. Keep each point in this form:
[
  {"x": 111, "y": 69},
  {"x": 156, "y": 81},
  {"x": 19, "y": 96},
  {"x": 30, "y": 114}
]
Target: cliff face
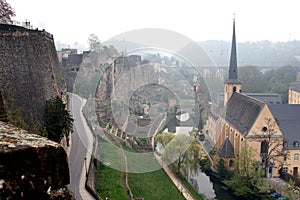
[
  {"x": 120, "y": 67},
  {"x": 31, "y": 167},
  {"x": 30, "y": 74}
]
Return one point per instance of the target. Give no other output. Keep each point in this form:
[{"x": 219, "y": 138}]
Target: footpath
[{"x": 185, "y": 192}]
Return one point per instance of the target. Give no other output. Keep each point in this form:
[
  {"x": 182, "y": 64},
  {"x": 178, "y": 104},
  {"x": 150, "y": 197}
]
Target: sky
[{"x": 72, "y": 21}]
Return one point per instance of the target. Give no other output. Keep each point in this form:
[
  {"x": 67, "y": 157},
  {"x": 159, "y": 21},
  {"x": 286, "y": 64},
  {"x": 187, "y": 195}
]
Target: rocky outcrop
[
  {"x": 30, "y": 74},
  {"x": 31, "y": 166}
]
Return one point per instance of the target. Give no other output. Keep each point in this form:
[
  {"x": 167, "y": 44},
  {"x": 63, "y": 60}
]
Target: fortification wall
[{"x": 30, "y": 74}]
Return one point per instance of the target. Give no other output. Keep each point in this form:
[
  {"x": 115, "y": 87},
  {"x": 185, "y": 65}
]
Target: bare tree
[
  {"x": 271, "y": 146},
  {"x": 6, "y": 12}
]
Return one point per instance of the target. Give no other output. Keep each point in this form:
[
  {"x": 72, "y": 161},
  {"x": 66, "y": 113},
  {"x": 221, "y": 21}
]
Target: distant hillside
[{"x": 261, "y": 53}]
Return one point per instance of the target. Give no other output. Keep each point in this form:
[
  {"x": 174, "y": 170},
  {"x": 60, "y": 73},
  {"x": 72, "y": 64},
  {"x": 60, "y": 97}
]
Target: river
[{"x": 205, "y": 184}]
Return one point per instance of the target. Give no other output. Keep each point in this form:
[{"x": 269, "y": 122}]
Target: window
[
  {"x": 285, "y": 144},
  {"x": 231, "y": 162},
  {"x": 296, "y": 144},
  {"x": 284, "y": 157},
  {"x": 264, "y": 148},
  {"x": 285, "y": 170},
  {"x": 264, "y": 129},
  {"x": 234, "y": 89},
  {"x": 296, "y": 157}
]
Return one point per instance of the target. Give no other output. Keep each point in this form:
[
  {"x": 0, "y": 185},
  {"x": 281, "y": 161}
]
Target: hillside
[{"x": 261, "y": 53}]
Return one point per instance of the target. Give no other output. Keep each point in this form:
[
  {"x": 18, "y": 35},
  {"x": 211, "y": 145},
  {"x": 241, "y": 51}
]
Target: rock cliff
[{"x": 31, "y": 167}]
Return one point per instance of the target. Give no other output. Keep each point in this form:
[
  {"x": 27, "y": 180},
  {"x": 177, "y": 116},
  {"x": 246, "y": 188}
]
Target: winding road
[{"x": 81, "y": 146}]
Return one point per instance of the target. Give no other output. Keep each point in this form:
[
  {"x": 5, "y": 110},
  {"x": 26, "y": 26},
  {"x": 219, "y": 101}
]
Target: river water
[{"x": 209, "y": 186}]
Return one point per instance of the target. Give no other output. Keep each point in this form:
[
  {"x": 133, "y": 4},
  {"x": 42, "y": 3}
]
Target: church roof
[
  {"x": 242, "y": 111},
  {"x": 268, "y": 98},
  {"x": 288, "y": 119},
  {"x": 226, "y": 150}
]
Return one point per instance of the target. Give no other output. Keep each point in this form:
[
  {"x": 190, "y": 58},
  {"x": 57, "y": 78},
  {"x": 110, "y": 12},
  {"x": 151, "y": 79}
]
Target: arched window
[
  {"x": 234, "y": 89},
  {"x": 264, "y": 148},
  {"x": 231, "y": 162}
]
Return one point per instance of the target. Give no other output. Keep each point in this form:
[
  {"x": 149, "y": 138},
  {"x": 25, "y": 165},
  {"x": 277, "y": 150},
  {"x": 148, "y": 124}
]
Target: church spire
[
  {"x": 232, "y": 84},
  {"x": 233, "y": 73}
]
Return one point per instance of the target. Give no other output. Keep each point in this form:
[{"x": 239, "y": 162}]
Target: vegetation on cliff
[{"x": 59, "y": 122}]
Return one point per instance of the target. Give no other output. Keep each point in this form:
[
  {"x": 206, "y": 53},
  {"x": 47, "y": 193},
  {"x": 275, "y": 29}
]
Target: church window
[
  {"x": 234, "y": 89},
  {"x": 231, "y": 162},
  {"x": 264, "y": 129},
  {"x": 264, "y": 147}
]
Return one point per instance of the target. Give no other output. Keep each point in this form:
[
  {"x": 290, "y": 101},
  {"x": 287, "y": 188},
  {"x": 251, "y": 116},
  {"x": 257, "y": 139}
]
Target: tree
[
  {"x": 246, "y": 181},
  {"x": 222, "y": 170},
  {"x": 94, "y": 43},
  {"x": 164, "y": 138},
  {"x": 58, "y": 120},
  {"x": 6, "y": 12},
  {"x": 183, "y": 150},
  {"x": 271, "y": 146},
  {"x": 291, "y": 190},
  {"x": 253, "y": 80}
]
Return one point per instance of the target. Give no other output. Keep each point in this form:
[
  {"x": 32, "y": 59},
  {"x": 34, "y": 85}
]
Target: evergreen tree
[{"x": 59, "y": 122}]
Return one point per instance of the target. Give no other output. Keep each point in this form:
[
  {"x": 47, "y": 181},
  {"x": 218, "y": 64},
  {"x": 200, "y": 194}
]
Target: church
[{"x": 259, "y": 121}]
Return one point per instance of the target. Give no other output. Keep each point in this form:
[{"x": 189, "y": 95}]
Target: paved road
[{"x": 82, "y": 140}]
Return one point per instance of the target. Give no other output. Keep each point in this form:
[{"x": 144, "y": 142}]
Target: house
[
  {"x": 294, "y": 91},
  {"x": 288, "y": 118}
]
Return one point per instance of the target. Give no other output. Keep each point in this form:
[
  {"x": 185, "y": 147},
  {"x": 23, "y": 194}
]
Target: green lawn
[
  {"x": 153, "y": 185},
  {"x": 111, "y": 183}
]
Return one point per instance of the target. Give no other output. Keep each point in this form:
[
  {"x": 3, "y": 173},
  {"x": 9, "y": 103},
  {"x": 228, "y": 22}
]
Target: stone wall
[{"x": 30, "y": 74}]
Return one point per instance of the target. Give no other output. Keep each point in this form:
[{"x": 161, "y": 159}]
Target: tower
[{"x": 232, "y": 84}]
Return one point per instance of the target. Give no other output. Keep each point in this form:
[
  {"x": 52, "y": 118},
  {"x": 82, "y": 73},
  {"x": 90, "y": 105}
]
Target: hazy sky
[{"x": 73, "y": 21}]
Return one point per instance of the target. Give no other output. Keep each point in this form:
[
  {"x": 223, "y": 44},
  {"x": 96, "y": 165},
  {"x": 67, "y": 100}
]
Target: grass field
[
  {"x": 153, "y": 185},
  {"x": 111, "y": 183}
]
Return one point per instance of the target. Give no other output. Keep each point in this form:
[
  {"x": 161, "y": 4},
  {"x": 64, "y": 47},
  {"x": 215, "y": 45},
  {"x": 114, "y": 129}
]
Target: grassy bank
[
  {"x": 111, "y": 183},
  {"x": 153, "y": 185}
]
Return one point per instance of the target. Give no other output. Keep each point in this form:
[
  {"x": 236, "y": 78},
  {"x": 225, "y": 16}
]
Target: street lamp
[{"x": 86, "y": 172}]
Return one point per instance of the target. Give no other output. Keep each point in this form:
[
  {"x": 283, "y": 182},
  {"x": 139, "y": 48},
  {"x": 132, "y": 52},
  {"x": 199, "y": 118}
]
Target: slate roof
[
  {"x": 295, "y": 86},
  {"x": 242, "y": 111},
  {"x": 288, "y": 119},
  {"x": 226, "y": 150},
  {"x": 268, "y": 98}
]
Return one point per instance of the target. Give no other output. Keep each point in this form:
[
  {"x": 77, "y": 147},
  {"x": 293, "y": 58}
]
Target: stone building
[{"x": 294, "y": 91}]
